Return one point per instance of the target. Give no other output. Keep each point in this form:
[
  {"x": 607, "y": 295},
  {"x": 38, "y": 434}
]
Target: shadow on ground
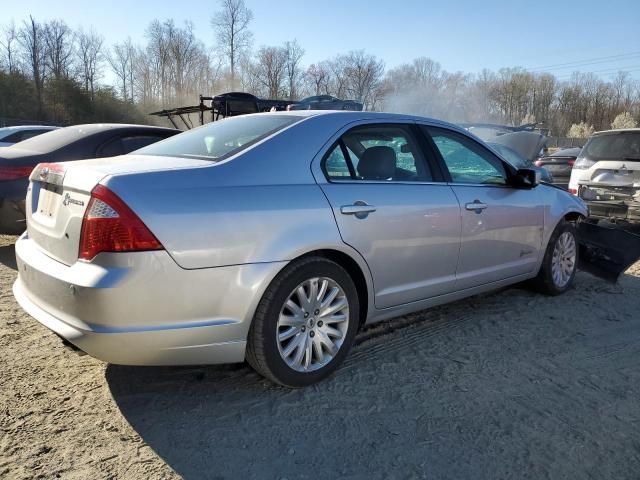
[
  {"x": 8, "y": 256},
  {"x": 501, "y": 386}
]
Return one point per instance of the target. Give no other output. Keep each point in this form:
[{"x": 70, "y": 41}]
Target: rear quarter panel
[{"x": 262, "y": 205}]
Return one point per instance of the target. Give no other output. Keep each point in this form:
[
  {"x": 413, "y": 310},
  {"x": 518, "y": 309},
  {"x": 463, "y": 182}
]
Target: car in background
[
  {"x": 273, "y": 237},
  {"x": 560, "y": 164},
  {"x": 325, "y": 102},
  {"x": 606, "y": 175},
  {"x": 518, "y": 161},
  {"x": 64, "y": 144},
  {"x": 12, "y": 135}
]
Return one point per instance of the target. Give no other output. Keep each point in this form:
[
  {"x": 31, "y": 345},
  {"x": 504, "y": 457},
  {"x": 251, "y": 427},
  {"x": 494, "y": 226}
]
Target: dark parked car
[
  {"x": 325, "y": 102},
  {"x": 70, "y": 143},
  {"x": 560, "y": 164},
  {"x": 518, "y": 161}
]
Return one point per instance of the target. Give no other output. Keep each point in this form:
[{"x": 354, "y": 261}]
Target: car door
[
  {"x": 502, "y": 226},
  {"x": 389, "y": 207}
]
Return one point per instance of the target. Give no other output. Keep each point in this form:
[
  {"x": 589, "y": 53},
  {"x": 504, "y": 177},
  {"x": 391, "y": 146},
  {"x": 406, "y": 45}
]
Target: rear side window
[
  {"x": 466, "y": 160},
  {"x": 616, "y": 146},
  {"x": 221, "y": 139},
  {"x": 379, "y": 153}
]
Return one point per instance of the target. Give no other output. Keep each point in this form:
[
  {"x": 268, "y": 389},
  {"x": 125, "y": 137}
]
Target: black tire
[
  {"x": 262, "y": 347},
  {"x": 544, "y": 282}
]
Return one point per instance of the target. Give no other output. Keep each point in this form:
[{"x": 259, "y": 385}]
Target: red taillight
[
  {"x": 538, "y": 163},
  {"x": 573, "y": 191},
  {"x": 571, "y": 161},
  {"x": 109, "y": 225},
  {"x": 14, "y": 173}
]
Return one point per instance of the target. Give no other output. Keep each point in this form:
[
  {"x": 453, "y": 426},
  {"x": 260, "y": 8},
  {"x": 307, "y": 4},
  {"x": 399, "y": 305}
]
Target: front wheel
[
  {"x": 305, "y": 323},
  {"x": 560, "y": 262}
]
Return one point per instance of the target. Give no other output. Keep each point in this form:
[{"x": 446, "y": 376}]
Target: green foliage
[{"x": 65, "y": 102}]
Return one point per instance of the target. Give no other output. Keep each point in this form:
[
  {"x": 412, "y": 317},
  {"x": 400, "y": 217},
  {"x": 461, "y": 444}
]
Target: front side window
[
  {"x": 219, "y": 140},
  {"x": 377, "y": 153},
  {"x": 466, "y": 160}
]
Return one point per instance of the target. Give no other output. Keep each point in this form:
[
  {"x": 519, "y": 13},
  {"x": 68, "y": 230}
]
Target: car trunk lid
[{"x": 59, "y": 194}]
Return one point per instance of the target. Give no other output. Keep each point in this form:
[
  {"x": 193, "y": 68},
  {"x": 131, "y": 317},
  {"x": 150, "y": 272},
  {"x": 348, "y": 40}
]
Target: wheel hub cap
[
  {"x": 313, "y": 323},
  {"x": 563, "y": 262}
]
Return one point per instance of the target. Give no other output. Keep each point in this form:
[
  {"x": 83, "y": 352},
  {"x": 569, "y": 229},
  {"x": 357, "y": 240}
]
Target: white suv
[{"x": 606, "y": 175}]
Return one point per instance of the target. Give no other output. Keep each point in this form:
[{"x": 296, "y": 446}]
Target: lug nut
[
  {"x": 312, "y": 333},
  {"x": 319, "y": 323},
  {"x": 316, "y": 312},
  {"x": 306, "y": 314},
  {"x": 303, "y": 329}
]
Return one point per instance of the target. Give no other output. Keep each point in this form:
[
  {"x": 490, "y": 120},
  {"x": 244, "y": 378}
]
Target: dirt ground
[{"x": 506, "y": 385}]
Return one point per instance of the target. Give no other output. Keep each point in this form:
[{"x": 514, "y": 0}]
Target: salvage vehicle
[
  {"x": 606, "y": 175},
  {"x": 325, "y": 102},
  {"x": 560, "y": 164},
  {"x": 518, "y": 161},
  {"x": 274, "y": 237},
  {"x": 12, "y": 135},
  {"x": 70, "y": 143}
]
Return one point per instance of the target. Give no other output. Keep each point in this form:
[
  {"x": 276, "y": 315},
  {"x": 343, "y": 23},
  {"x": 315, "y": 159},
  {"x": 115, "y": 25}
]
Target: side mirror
[{"x": 526, "y": 178}]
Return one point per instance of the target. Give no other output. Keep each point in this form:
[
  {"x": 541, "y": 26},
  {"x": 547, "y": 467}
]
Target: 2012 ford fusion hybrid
[{"x": 274, "y": 237}]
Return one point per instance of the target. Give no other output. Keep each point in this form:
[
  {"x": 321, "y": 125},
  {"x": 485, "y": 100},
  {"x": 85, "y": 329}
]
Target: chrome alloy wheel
[
  {"x": 312, "y": 325},
  {"x": 563, "y": 262}
]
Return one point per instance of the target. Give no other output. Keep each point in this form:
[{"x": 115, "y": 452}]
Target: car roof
[
  {"x": 28, "y": 127},
  {"x": 617, "y": 130},
  {"x": 102, "y": 127},
  {"x": 353, "y": 116}
]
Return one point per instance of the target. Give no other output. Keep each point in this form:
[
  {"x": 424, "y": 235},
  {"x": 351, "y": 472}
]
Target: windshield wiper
[{"x": 632, "y": 159}]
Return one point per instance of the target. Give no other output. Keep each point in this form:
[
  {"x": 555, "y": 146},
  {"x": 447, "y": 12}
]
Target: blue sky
[{"x": 462, "y": 35}]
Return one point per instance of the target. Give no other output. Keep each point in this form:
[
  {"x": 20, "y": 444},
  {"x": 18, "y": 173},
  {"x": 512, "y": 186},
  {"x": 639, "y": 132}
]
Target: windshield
[
  {"x": 221, "y": 139},
  {"x": 614, "y": 146}
]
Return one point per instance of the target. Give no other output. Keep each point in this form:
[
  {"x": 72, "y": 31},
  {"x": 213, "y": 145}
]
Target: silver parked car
[{"x": 273, "y": 237}]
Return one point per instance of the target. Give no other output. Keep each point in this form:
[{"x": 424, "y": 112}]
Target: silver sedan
[{"x": 274, "y": 237}]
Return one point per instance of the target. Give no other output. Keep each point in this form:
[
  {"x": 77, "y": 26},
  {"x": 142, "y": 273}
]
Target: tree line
[{"x": 50, "y": 72}]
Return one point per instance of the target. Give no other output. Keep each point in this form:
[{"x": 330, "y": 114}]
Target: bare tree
[
  {"x": 271, "y": 69},
  {"x": 293, "y": 56},
  {"x": 364, "y": 73},
  {"x": 31, "y": 37},
  {"x": 59, "y": 39},
  {"x": 231, "y": 26},
  {"x": 122, "y": 59},
  {"x": 8, "y": 44},
  {"x": 317, "y": 77},
  {"x": 90, "y": 59}
]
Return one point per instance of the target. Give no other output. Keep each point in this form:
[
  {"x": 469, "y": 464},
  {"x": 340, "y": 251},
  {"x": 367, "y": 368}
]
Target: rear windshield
[
  {"x": 221, "y": 139},
  {"x": 617, "y": 146}
]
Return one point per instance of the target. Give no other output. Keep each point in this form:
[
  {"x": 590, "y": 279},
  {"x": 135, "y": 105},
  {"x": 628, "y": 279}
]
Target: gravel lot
[{"x": 507, "y": 385}]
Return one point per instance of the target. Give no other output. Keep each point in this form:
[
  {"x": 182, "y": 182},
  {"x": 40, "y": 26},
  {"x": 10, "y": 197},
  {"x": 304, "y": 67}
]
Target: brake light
[
  {"x": 109, "y": 225},
  {"x": 538, "y": 163},
  {"x": 571, "y": 161},
  {"x": 573, "y": 191},
  {"x": 14, "y": 172}
]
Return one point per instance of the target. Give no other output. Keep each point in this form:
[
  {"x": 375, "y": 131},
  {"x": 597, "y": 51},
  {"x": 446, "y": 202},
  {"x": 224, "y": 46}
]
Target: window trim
[{"x": 414, "y": 134}]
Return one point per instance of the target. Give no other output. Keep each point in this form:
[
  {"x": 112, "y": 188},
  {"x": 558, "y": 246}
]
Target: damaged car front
[{"x": 606, "y": 175}]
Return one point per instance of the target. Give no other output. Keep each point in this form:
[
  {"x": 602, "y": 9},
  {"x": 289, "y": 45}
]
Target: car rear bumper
[
  {"x": 611, "y": 202},
  {"x": 142, "y": 308}
]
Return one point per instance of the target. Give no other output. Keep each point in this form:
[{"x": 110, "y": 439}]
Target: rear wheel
[
  {"x": 560, "y": 262},
  {"x": 305, "y": 323}
]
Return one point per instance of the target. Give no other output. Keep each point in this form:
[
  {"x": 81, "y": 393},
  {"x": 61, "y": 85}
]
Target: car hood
[{"x": 527, "y": 144}]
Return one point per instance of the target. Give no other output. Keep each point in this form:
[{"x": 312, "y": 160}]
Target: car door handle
[
  {"x": 476, "y": 206},
  {"x": 359, "y": 209}
]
